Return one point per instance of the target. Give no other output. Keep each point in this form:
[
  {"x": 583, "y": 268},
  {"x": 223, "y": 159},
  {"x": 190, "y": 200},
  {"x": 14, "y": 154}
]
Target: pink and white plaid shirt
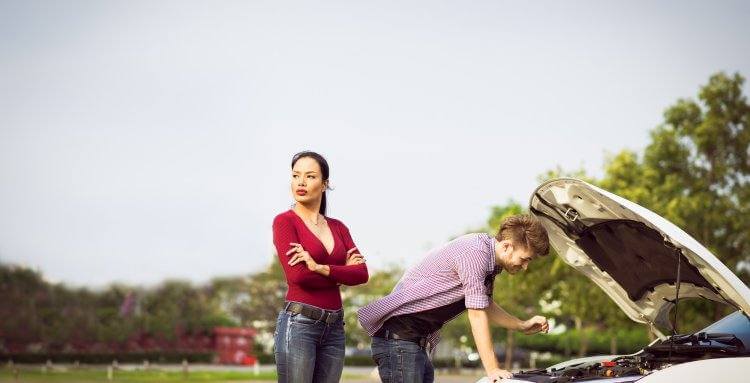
[{"x": 457, "y": 270}]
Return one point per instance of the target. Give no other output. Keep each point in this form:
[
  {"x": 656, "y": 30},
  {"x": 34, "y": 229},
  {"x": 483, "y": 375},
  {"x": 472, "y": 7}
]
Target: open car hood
[{"x": 632, "y": 253}]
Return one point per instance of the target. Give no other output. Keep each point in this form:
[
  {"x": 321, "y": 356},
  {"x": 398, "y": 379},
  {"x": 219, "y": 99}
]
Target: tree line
[{"x": 695, "y": 171}]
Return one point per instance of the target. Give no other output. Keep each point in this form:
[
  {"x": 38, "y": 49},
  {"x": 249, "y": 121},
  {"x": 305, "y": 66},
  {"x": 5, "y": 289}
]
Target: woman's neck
[{"x": 307, "y": 211}]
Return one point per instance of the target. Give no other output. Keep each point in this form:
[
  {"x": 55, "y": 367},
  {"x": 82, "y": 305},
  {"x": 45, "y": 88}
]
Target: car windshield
[{"x": 735, "y": 323}]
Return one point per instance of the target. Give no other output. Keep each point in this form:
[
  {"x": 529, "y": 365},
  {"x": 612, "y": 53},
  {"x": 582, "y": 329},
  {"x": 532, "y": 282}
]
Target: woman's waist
[
  {"x": 328, "y": 299},
  {"x": 314, "y": 312}
]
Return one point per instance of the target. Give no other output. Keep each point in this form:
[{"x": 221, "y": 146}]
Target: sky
[{"x": 142, "y": 141}]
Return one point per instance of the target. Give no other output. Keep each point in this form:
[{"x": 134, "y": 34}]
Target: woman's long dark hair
[{"x": 323, "y": 169}]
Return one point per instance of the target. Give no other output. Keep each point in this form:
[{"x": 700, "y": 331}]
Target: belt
[
  {"x": 388, "y": 334},
  {"x": 313, "y": 312}
]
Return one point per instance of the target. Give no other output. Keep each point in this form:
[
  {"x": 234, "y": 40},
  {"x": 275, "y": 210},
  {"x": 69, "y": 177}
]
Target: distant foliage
[
  {"x": 695, "y": 171},
  {"x": 41, "y": 317}
]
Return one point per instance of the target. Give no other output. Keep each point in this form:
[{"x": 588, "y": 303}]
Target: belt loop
[
  {"x": 286, "y": 306},
  {"x": 323, "y": 316}
]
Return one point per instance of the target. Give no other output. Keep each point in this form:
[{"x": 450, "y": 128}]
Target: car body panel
[
  {"x": 725, "y": 370},
  {"x": 591, "y": 221}
]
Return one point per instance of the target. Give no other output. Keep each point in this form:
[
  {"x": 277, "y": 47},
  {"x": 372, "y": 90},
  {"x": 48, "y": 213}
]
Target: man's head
[{"x": 521, "y": 238}]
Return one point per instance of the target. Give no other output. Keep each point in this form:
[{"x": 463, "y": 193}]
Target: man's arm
[
  {"x": 501, "y": 318},
  {"x": 480, "y": 328}
]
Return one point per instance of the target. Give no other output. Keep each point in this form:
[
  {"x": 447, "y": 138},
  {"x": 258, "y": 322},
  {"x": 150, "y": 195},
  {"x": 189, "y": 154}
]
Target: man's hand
[
  {"x": 535, "y": 325},
  {"x": 497, "y": 374}
]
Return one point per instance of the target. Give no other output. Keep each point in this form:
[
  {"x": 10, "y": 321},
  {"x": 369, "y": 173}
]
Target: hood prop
[
  {"x": 678, "y": 253},
  {"x": 677, "y": 292}
]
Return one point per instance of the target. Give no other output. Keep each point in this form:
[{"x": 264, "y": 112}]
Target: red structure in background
[
  {"x": 234, "y": 345},
  {"x": 231, "y": 345}
]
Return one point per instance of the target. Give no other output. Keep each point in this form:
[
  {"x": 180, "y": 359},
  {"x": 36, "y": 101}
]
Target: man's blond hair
[{"x": 526, "y": 231}]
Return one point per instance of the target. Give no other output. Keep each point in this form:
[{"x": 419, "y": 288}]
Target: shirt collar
[{"x": 492, "y": 267}]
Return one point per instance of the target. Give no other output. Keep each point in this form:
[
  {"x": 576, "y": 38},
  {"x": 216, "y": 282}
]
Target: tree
[
  {"x": 380, "y": 284},
  {"x": 176, "y": 308},
  {"x": 696, "y": 171},
  {"x": 267, "y": 290}
]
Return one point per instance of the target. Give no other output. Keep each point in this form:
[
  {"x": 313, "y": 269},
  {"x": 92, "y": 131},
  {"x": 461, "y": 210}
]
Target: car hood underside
[{"x": 636, "y": 256}]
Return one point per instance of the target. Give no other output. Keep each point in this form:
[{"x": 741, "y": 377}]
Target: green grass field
[{"x": 84, "y": 376}]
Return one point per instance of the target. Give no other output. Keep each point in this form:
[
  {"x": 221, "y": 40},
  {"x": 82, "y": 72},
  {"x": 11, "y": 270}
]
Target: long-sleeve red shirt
[{"x": 308, "y": 286}]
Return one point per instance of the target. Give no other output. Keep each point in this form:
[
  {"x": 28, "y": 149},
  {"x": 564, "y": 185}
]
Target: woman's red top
[{"x": 307, "y": 286}]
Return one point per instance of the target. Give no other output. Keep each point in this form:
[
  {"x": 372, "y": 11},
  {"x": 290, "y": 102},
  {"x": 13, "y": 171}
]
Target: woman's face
[{"x": 307, "y": 181}]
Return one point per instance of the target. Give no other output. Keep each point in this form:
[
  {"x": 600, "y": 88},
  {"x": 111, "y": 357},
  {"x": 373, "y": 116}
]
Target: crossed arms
[{"x": 316, "y": 276}]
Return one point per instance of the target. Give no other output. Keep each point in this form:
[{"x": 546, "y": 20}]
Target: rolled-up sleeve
[{"x": 471, "y": 269}]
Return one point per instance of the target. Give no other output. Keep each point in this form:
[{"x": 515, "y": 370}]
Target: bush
[
  {"x": 266, "y": 359},
  {"x": 107, "y": 358},
  {"x": 628, "y": 341},
  {"x": 354, "y": 360},
  {"x": 359, "y": 360}
]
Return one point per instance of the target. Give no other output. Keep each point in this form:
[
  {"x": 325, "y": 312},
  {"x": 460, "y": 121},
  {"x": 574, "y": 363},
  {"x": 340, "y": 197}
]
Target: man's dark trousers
[{"x": 401, "y": 361}]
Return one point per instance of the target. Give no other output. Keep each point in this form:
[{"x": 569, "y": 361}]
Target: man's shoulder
[
  {"x": 472, "y": 239},
  {"x": 476, "y": 246}
]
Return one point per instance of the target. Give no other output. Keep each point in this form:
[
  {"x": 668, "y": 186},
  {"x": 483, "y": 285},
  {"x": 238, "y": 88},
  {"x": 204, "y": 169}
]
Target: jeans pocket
[
  {"x": 381, "y": 355},
  {"x": 280, "y": 329},
  {"x": 276, "y": 328},
  {"x": 378, "y": 355},
  {"x": 301, "y": 319},
  {"x": 399, "y": 375},
  {"x": 408, "y": 368}
]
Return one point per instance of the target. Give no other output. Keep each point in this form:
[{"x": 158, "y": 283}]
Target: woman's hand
[
  {"x": 298, "y": 254},
  {"x": 353, "y": 257}
]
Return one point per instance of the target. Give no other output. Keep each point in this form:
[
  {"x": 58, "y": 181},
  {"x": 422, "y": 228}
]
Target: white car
[{"x": 645, "y": 264}]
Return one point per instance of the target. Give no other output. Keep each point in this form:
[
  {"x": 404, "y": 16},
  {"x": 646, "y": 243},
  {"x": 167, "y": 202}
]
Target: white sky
[{"x": 148, "y": 140}]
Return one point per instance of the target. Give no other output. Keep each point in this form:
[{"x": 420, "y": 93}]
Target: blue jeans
[
  {"x": 401, "y": 361},
  {"x": 308, "y": 350}
]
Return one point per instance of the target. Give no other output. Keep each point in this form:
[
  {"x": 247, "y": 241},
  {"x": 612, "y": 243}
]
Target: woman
[{"x": 317, "y": 254}]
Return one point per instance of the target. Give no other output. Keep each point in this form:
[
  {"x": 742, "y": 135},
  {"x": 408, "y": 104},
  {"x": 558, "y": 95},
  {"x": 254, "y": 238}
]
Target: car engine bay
[{"x": 661, "y": 354}]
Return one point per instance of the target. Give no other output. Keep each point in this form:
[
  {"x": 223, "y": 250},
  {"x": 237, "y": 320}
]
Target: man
[{"x": 457, "y": 276}]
